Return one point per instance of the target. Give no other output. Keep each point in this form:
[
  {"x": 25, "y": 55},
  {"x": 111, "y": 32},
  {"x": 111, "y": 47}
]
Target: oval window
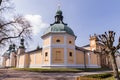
[{"x": 57, "y": 40}]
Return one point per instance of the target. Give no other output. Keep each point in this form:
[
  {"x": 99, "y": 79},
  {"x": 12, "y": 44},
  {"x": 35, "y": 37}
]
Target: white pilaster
[
  {"x": 8, "y": 61},
  {"x": 34, "y": 58},
  {"x": 18, "y": 57},
  {"x": 65, "y": 50},
  {"x": 74, "y": 56},
  {"x": 50, "y": 49},
  {"x": 88, "y": 58},
  {"x": 11, "y": 59},
  {"x": 3, "y": 61},
  {"x": 42, "y": 56}
]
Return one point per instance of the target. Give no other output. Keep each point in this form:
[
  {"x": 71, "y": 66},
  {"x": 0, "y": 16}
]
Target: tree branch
[
  {"x": 12, "y": 36},
  {"x": 9, "y": 23}
]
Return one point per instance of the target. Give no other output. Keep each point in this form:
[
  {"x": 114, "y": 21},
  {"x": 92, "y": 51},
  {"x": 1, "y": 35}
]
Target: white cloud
[
  {"x": 38, "y": 27},
  {"x": 37, "y": 23}
]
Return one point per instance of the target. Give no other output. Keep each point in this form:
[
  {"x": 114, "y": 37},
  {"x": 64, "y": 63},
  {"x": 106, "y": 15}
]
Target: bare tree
[
  {"x": 107, "y": 39},
  {"x": 5, "y": 5},
  {"x": 12, "y": 28}
]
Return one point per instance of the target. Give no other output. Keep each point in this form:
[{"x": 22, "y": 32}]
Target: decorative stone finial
[
  {"x": 22, "y": 43},
  {"x": 13, "y": 48},
  {"x": 93, "y": 36},
  {"x": 10, "y": 47}
]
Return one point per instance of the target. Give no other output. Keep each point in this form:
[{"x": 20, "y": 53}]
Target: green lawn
[
  {"x": 110, "y": 78},
  {"x": 60, "y": 69},
  {"x": 104, "y": 76},
  {"x": 88, "y": 78},
  {"x": 49, "y": 70},
  {"x": 93, "y": 69}
]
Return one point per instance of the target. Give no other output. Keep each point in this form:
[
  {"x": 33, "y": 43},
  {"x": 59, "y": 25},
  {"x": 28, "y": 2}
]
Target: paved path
[{"x": 7, "y": 74}]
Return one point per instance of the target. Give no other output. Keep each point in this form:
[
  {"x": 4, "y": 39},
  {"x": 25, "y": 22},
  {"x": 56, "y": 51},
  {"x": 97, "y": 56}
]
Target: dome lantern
[
  {"x": 59, "y": 26},
  {"x": 58, "y": 16}
]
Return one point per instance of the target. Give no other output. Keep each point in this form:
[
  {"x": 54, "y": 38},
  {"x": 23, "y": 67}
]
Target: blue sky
[{"x": 84, "y": 17}]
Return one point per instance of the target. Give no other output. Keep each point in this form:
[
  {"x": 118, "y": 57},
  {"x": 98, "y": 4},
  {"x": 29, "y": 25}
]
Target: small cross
[{"x": 58, "y": 4}]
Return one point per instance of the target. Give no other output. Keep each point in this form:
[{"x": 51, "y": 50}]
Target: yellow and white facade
[{"x": 58, "y": 51}]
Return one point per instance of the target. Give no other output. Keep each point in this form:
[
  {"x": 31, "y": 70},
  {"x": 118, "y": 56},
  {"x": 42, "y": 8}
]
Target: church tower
[
  {"x": 93, "y": 42},
  {"x": 58, "y": 44}
]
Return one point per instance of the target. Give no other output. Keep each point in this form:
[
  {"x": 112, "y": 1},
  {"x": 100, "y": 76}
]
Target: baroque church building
[{"x": 58, "y": 50}]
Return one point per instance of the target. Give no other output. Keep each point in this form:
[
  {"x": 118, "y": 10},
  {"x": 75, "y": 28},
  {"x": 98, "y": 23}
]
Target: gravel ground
[{"x": 9, "y": 74}]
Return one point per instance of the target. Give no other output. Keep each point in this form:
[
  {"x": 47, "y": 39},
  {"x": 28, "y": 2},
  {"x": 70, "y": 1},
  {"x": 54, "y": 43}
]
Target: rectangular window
[
  {"x": 70, "y": 42},
  {"x": 58, "y": 55},
  {"x": 46, "y": 54},
  {"x": 70, "y": 54}
]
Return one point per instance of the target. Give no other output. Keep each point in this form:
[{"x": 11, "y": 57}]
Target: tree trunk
[
  {"x": 114, "y": 66},
  {"x": 0, "y": 2}
]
